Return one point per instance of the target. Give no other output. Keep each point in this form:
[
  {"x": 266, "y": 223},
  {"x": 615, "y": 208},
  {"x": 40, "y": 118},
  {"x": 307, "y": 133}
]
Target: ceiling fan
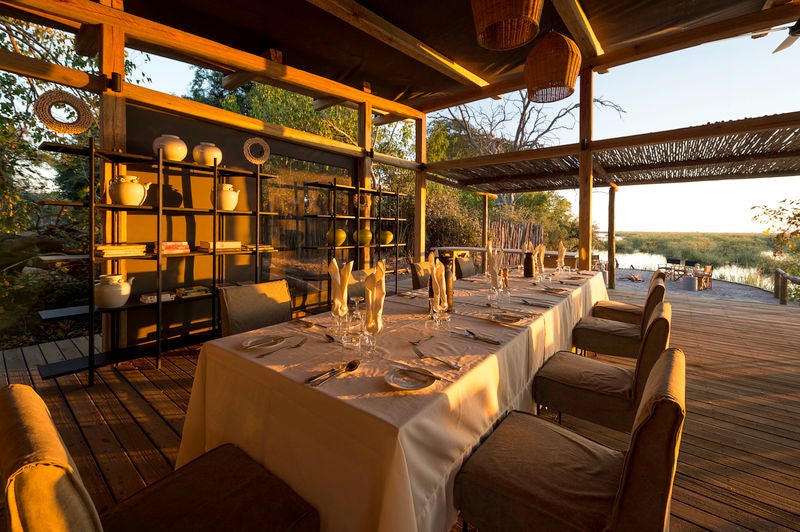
[{"x": 794, "y": 34}]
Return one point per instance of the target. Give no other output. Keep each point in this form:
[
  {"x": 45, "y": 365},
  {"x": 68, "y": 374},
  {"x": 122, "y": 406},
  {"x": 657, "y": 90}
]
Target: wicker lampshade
[
  {"x": 551, "y": 68},
  {"x": 506, "y": 24}
]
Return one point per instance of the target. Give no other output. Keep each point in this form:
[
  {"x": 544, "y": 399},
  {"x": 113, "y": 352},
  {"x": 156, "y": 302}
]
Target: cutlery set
[{"x": 295, "y": 346}]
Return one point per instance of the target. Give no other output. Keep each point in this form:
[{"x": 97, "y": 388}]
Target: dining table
[{"x": 378, "y": 448}]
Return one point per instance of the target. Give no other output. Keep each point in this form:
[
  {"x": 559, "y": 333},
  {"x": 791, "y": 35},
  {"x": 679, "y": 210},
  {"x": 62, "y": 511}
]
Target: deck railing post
[
  {"x": 784, "y": 297},
  {"x": 777, "y": 283}
]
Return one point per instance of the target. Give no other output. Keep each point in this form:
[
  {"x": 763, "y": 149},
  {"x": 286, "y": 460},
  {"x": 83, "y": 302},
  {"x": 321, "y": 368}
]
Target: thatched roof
[{"x": 669, "y": 157}]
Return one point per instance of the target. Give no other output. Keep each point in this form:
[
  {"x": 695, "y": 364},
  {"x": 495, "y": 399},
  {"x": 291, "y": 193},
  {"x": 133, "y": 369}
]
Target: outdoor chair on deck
[
  {"x": 465, "y": 267},
  {"x": 705, "y": 280},
  {"x": 597, "y": 391},
  {"x": 625, "y": 312},
  {"x": 421, "y": 274},
  {"x": 534, "y": 474},
  {"x": 223, "y": 489},
  {"x": 618, "y": 338},
  {"x": 252, "y": 306}
]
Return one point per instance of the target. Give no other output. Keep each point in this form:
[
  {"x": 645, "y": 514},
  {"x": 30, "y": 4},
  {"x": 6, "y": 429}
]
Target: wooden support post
[
  {"x": 784, "y": 293},
  {"x": 365, "y": 179},
  {"x": 585, "y": 172},
  {"x": 485, "y": 228},
  {"x": 612, "y": 240},
  {"x": 420, "y": 190}
]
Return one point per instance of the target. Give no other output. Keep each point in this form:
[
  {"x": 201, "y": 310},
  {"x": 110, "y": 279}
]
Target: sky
[{"x": 726, "y": 80}]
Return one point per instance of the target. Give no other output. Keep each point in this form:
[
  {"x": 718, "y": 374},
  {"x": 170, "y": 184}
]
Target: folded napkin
[
  {"x": 437, "y": 282},
  {"x": 561, "y": 252},
  {"x": 493, "y": 265},
  {"x": 375, "y": 291},
  {"x": 539, "y": 256},
  {"x": 339, "y": 281}
]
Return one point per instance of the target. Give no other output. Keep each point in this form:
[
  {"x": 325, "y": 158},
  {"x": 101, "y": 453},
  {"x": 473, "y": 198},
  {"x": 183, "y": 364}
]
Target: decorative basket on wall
[
  {"x": 506, "y": 24},
  {"x": 552, "y": 67}
]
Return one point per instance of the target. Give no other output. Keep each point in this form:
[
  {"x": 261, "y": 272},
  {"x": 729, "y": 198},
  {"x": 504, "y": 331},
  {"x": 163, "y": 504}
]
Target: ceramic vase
[
  {"x": 205, "y": 153},
  {"x": 362, "y": 236},
  {"x": 173, "y": 147},
  {"x": 227, "y": 197},
  {"x": 335, "y": 237},
  {"x": 112, "y": 291},
  {"x": 127, "y": 190},
  {"x": 386, "y": 237}
]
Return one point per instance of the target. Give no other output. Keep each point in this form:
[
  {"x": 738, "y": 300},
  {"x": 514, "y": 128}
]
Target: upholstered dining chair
[
  {"x": 251, "y": 306},
  {"x": 223, "y": 489},
  {"x": 533, "y": 474},
  {"x": 626, "y": 312},
  {"x": 465, "y": 267},
  {"x": 421, "y": 274},
  {"x": 597, "y": 391},
  {"x": 618, "y": 338}
]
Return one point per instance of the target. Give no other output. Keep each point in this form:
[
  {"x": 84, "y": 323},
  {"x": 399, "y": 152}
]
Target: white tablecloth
[{"x": 367, "y": 456}]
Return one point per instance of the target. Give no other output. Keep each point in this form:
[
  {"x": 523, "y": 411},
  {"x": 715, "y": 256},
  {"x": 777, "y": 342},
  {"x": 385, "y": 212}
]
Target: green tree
[{"x": 784, "y": 225}]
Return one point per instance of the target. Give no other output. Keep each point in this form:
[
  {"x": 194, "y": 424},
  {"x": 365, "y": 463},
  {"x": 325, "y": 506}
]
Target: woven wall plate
[
  {"x": 44, "y": 111},
  {"x": 256, "y": 158}
]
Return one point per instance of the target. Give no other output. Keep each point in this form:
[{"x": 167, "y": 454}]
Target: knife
[
  {"x": 419, "y": 371},
  {"x": 298, "y": 344},
  {"x": 331, "y": 371}
]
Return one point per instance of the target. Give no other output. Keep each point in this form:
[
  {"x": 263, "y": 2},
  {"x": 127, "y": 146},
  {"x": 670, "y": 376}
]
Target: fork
[{"x": 450, "y": 365}]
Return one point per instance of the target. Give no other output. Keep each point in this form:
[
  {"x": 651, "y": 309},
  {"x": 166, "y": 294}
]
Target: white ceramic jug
[
  {"x": 227, "y": 197},
  {"x": 205, "y": 153},
  {"x": 127, "y": 190},
  {"x": 112, "y": 291},
  {"x": 172, "y": 145}
]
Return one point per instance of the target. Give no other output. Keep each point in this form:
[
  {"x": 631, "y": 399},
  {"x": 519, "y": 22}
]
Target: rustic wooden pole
[
  {"x": 784, "y": 298},
  {"x": 364, "y": 178},
  {"x": 612, "y": 240},
  {"x": 485, "y": 228},
  {"x": 776, "y": 284},
  {"x": 420, "y": 190},
  {"x": 585, "y": 172}
]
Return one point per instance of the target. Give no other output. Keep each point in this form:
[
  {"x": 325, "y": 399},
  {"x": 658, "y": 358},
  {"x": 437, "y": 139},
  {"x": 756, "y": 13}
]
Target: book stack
[
  {"x": 222, "y": 245},
  {"x": 152, "y": 297},
  {"x": 168, "y": 248},
  {"x": 121, "y": 250},
  {"x": 192, "y": 291},
  {"x": 263, "y": 248}
]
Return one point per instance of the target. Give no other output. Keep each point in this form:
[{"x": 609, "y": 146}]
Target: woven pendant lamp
[
  {"x": 506, "y": 24},
  {"x": 551, "y": 68}
]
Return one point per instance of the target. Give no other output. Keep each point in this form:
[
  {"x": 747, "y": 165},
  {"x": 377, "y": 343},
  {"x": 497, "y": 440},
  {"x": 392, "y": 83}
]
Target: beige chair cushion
[
  {"x": 626, "y": 312},
  {"x": 420, "y": 274},
  {"x": 43, "y": 491},
  {"x": 607, "y": 336},
  {"x": 597, "y": 391},
  {"x": 529, "y": 471},
  {"x": 223, "y": 489},
  {"x": 464, "y": 267},
  {"x": 252, "y": 306},
  {"x": 586, "y": 388}
]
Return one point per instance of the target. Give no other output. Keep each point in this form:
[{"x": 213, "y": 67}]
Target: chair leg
[
  {"x": 464, "y": 525},
  {"x": 559, "y": 418}
]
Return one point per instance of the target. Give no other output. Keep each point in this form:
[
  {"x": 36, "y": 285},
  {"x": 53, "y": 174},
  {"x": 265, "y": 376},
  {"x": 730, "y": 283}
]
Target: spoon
[{"x": 351, "y": 366}]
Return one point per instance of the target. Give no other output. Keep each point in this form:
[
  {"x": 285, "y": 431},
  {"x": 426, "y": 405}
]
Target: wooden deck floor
[{"x": 739, "y": 466}]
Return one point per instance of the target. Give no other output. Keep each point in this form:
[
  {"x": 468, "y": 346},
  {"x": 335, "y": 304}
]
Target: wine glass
[
  {"x": 440, "y": 315},
  {"x": 369, "y": 340},
  {"x": 340, "y": 315}
]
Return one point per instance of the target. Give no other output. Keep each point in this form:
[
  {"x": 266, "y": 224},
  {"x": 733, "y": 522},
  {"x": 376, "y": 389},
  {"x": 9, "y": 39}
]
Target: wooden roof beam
[
  {"x": 34, "y": 68},
  {"x": 236, "y": 79},
  {"x": 579, "y": 27},
  {"x": 681, "y": 40},
  {"x": 143, "y": 33},
  {"x": 389, "y": 34}
]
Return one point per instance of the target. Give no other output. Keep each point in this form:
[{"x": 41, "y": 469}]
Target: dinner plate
[
  {"x": 502, "y": 317},
  {"x": 406, "y": 379},
  {"x": 262, "y": 341}
]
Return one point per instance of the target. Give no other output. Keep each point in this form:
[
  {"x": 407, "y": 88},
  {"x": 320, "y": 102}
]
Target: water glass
[{"x": 492, "y": 297}]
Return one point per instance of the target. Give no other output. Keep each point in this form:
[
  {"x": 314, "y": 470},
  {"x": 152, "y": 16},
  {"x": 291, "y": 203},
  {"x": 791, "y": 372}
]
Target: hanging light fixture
[
  {"x": 551, "y": 68},
  {"x": 506, "y": 24}
]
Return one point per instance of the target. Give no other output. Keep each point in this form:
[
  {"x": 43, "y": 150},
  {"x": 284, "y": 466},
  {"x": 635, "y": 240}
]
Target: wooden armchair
[
  {"x": 705, "y": 280},
  {"x": 223, "y": 489}
]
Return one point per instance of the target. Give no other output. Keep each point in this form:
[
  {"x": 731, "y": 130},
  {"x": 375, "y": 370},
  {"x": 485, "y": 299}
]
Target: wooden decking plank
[
  {"x": 162, "y": 381},
  {"x": 157, "y": 398},
  {"x": 163, "y": 436},
  {"x": 16, "y": 368}
]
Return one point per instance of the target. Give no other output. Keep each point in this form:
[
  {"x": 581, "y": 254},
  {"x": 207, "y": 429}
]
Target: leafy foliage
[{"x": 784, "y": 225}]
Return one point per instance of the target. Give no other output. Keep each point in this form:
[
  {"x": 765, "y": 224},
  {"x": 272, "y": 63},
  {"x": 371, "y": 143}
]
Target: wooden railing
[{"x": 782, "y": 280}]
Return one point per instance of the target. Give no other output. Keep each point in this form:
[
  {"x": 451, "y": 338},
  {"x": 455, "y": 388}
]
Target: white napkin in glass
[
  {"x": 375, "y": 291},
  {"x": 339, "y": 281},
  {"x": 437, "y": 281},
  {"x": 539, "y": 256},
  {"x": 561, "y": 252}
]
